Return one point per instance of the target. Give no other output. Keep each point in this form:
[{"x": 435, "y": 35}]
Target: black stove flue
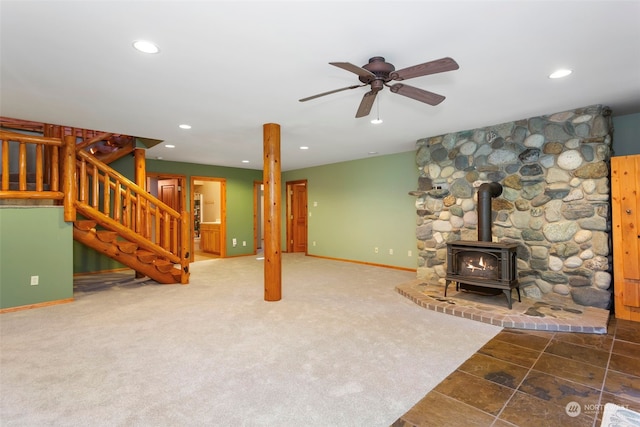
[{"x": 484, "y": 264}]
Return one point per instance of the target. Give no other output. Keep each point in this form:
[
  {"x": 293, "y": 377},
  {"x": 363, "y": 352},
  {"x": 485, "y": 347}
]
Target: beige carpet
[{"x": 342, "y": 348}]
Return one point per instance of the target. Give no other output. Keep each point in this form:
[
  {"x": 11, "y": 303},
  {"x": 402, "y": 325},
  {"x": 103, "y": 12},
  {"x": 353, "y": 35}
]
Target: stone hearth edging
[{"x": 592, "y": 320}]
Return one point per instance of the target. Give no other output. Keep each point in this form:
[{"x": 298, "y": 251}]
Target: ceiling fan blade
[
  {"x": 367, "y": 102},
  {"x": 354, "y": 69},
  {"x": 431, "y": 67},
  {"x": 417, "y": 94},
  {"x": 330, "y": 92}
]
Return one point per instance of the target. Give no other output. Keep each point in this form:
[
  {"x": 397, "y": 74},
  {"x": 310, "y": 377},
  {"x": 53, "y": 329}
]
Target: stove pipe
[{"x": 486, "y": 191}]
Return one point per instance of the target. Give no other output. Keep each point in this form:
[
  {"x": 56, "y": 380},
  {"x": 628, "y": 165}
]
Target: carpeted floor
[{"x": 342, "y": 348}]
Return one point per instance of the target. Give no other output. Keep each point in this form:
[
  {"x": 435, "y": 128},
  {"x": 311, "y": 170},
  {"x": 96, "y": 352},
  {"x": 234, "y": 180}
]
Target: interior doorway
[
  {"x": 169, "y": 189},
  {"x": 297, "y": 213},
  {"x": 208, "y": 217}
]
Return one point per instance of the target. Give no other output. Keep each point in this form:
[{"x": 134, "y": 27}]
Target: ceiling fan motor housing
[{"x": 378, "y": 66}]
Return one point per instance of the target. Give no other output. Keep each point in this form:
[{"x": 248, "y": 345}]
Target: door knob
[{"x": 628, "y": 211}]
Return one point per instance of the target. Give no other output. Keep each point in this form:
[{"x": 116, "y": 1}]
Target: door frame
[
  {"x": 289, "y": 192},
  {"x": 223, "y": 212}
]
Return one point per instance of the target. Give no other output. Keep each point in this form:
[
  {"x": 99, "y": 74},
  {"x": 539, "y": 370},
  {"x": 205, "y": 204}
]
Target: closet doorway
[{"x": 208, "y": 216}]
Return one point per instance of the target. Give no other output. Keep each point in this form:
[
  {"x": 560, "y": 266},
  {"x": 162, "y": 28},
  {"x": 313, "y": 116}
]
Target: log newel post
[
  {"x": 272, "y": 213},
  {"x": 69, "y": 177}
]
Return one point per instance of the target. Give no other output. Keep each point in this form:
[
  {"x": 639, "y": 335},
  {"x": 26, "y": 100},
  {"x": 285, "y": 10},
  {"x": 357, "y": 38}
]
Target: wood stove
[{"x": 483, "y": 264}]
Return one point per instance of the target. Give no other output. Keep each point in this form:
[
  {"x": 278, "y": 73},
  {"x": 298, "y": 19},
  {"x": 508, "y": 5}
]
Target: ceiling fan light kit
[{"x": 378, "y": 73}]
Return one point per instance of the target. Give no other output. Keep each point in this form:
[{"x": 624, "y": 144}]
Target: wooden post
[
  {"x": 272, "y": 213},
  {"x": 141, "y": 168},
  {"x": 69, "y": 177}
]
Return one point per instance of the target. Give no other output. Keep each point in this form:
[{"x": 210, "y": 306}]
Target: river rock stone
[
  {"x": 573, "y": 262},
  {"x": 560, "y": 231},
  {"x": 500, "y": 157},
  {"x": 576, "y": 211},
  {"x": 553, "y": 148},
  {"x": 602, "y": 280},
  {"x": 570, "y": 160},
  {"x": 592, "y": 297},
  {"x": 578, "y": 281},
  {"x": 534, "y": 141},
  {"x": 460, "y": 188},
  {"x": 529, "y": 155},
  {"x": 592, "y": 170},
  {"x": 531, "y": 170}
]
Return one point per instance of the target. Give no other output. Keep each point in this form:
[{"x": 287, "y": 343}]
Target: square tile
[
  {"x": 484, "y": 395},
  {"x": 494, "y": 370},
  {"x": 572, "y": 370}
]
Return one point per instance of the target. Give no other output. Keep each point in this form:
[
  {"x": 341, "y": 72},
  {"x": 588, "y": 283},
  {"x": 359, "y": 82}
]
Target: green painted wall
[
  {"x": 626, "y": 135},
  {"x": 359, "y": 205},
  {"x": 34, "y": 241}
]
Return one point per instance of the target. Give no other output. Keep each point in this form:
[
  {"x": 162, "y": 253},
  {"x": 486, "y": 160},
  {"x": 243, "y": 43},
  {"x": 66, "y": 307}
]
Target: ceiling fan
[{"x": 378, "y": 73}]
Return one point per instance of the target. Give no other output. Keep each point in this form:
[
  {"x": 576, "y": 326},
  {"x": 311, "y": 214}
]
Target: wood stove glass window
[{"x": 478, "y": 264}]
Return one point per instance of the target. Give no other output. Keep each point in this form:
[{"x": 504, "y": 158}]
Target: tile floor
[{"x": 529, "y": 378}]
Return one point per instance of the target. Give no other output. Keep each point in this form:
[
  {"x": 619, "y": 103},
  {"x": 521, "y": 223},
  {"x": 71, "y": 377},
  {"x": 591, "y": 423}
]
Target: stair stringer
[
  {"x": 90, "y": 239},
  {"x": 157, "y": 270}
]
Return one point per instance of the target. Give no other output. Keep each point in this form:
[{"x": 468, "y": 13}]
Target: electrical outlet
[
  {"x": 244, "y": 243},
  {"x": 314, "y": 243},
  {"x": 35, "y": 280},
  {"x": 375, "y": 250},
  {"x": 409, "y": 253},
  {"x": 390, "y": 251},
  {"x": 234, "y": 242}
]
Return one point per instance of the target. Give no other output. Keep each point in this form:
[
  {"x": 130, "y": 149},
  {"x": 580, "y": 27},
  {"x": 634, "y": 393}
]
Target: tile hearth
[{"x": 547, "y": 314}]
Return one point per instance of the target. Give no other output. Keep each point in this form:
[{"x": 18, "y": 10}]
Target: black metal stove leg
[
  {"x": 446, "y": 285},
  {"x": 508, "y": 294}
]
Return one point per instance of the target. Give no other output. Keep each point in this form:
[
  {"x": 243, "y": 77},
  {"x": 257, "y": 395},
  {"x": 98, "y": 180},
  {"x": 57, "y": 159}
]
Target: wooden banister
[{"x": 23, "y": 168}]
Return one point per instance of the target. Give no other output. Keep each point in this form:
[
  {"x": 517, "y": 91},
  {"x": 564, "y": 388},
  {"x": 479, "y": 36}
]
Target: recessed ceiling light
[
  {"x": 145, "y": 46},
  {"x": 371, "y": 153},
  {"x": 159, "y": 157},
  {"x": 558, "y": 74},
  {"x": 169, "y": 146},
  {"x": 304, "y": 148},
  {"x": 185, "y": 126},
  {"x": 245, "y": 161}
]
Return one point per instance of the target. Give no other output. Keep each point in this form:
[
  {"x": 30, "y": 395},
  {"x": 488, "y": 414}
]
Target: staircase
[{"x": 110, "y": 213}]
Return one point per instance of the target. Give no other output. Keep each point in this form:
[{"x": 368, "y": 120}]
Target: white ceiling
[{"x": 227, "y": 68}]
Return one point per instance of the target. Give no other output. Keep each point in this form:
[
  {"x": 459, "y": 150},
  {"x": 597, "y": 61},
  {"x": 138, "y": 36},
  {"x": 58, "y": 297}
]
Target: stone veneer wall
[{"x": 555, "y": 202}]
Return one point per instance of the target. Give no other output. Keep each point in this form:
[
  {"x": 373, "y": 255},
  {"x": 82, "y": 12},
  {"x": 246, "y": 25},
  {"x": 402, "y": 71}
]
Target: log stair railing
[{"x": 111, "y": 214}]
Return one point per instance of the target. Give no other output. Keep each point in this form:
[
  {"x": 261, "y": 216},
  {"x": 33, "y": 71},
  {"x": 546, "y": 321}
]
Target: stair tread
[
  {"x": 163, "y": 266},
  {"x": 106, "y": 235},
  {"x": 145, "y": 256},
  {"x": 126, "y": 246},
  {"x": 84, "y": 225}
]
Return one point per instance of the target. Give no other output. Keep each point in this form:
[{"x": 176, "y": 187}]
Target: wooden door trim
[
  {"x": 289, "y": 222},
  {"x": 223, "y": 212}
]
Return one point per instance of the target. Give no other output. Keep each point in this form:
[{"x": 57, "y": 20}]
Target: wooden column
[
  {"x": 141, "y": 168},
  {"x": 272, "y": 213}
]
